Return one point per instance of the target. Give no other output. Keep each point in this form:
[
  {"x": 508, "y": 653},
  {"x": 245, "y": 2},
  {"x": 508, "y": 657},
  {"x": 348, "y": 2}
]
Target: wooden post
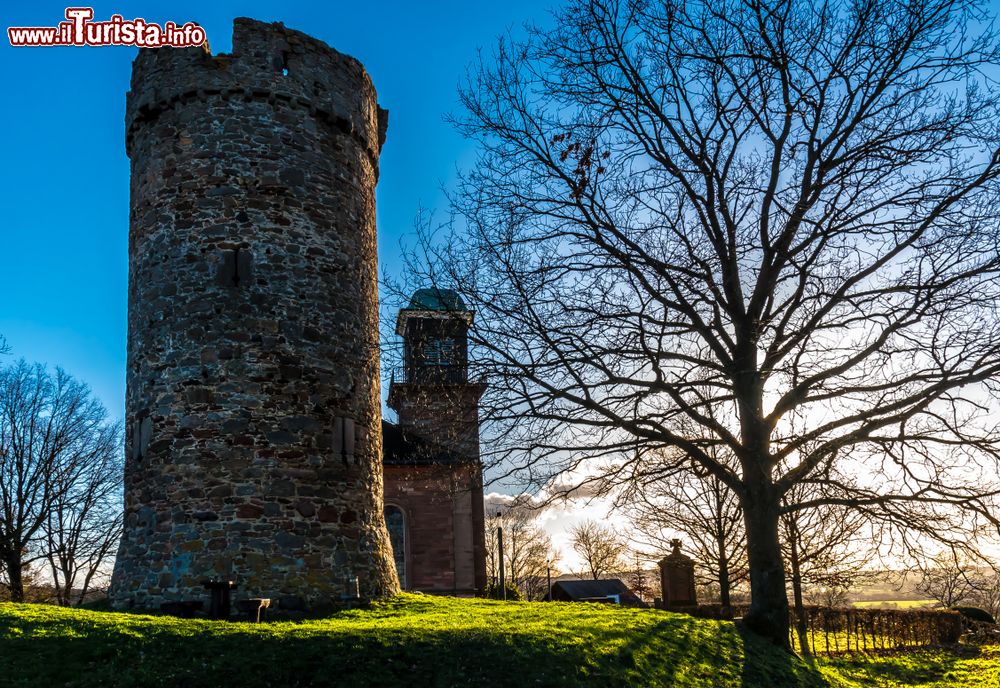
[{"x": 502, "y": 579}]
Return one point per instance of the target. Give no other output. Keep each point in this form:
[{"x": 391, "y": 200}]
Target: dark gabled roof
[
  {"x": 434, "y": 299},
  {"x": 577, "y": 590},
  {"x": 404, "y": 448}
]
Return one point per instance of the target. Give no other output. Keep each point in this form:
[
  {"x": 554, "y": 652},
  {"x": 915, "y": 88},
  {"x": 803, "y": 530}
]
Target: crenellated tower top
[{"x": 268, "y": 62}]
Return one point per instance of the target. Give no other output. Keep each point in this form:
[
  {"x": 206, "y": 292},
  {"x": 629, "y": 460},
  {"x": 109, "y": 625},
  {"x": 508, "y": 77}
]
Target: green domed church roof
[{"x": 433, "y": 299}]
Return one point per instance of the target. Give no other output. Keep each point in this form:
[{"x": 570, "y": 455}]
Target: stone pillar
[{"x": 677, "y": 579}]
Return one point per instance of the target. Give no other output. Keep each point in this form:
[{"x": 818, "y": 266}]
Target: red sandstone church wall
[{"x": 438, "y": 504}]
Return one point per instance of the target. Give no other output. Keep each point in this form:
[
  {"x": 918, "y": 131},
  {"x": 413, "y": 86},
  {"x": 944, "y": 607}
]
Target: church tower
[
  {"x": 432, "y": 393},
  {"x": 432, "y": 467}
]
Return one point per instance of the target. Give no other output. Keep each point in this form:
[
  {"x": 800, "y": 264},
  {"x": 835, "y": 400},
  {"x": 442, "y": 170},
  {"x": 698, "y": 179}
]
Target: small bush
[
  {"x": 976, "y": 614},
  {"x": 513, "y": 592}
]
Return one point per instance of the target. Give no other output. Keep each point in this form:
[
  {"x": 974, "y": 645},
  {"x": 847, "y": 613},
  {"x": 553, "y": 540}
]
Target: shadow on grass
[
  {"x": 412, "y": 643},
  {"x": 94, "y": 649},
  {"x": 434, "y": 658},
  {"x": 682, "y": 651},
  {"x": 766, "y": 666},
  {"x": 659, "y": 652},
  {"x": 915, "y": 668}
]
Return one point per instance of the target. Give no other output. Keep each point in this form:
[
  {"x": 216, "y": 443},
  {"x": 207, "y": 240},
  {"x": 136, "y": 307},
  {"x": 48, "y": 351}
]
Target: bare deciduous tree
[
  {"x": 52, "y": 432},
  {"x": 987, "y": 593},
  {"x": 528, "y": 552},
  {"x": 948, "y": 578},
  {"x": 84, "y": 521},
  {"x": 706, "y": 512},
  {"x": 600, "y": 547},
  {"x": 826, "y": 549},
  {"x": 835, "y": 593},
  {"x": 640, "y": 581},
  {"x": 758, "y": 207}
]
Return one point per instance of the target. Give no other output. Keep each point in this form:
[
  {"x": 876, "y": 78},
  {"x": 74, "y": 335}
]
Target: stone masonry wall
[
  {"x": 448, "y": 414},
  {"x": 253, "y": 404}
]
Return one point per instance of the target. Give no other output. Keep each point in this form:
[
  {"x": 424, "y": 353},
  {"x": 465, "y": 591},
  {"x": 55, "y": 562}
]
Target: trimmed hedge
[{"x": 833, "y": 631}]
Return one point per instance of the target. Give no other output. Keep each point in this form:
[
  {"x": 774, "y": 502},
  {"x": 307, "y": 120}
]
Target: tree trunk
[
  {"x": 58, "y": 588},
  {"x": 14, "y": 579},
  {"x": 724, "y": 581},
  {"x": 768, "y": 613},
  {"x": 800, "y": 613}
]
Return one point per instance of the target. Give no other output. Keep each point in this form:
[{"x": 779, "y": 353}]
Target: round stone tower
[{"x": 253, "y": 409}]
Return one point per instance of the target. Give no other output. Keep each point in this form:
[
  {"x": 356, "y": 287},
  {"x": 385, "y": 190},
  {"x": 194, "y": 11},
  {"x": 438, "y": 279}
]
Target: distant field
[{"x": 894, "y": 604}]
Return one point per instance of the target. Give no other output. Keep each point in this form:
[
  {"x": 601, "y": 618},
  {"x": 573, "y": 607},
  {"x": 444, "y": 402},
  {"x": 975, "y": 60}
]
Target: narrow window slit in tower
[
  {"x": 344, "y": 438},
  {"x": 338, "y": 435},
  {"x": 236, "y": 268},
  {"x": 142, "y": 433},
  {"x": 349, "y": 440}
]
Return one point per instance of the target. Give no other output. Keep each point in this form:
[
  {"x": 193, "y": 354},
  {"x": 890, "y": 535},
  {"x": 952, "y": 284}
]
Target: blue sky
[{"x": 64, "y": 184}]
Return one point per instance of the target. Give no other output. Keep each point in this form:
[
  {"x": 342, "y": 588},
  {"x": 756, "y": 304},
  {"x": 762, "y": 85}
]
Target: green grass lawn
[
  {"x": 428, "y": 641},
  {"x": 969, "y": 667}
]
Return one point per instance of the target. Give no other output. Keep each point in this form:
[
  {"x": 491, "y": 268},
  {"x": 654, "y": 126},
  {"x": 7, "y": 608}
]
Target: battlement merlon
[{"x": 268, "y": 62}]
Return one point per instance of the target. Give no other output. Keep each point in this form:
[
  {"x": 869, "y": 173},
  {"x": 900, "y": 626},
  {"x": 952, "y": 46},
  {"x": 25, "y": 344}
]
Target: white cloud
[{"x": 559, "y": 507}]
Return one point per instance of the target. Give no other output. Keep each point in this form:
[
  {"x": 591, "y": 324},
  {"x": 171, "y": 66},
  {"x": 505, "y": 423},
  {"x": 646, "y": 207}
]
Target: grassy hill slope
[{"x": 409, "y": 641}]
